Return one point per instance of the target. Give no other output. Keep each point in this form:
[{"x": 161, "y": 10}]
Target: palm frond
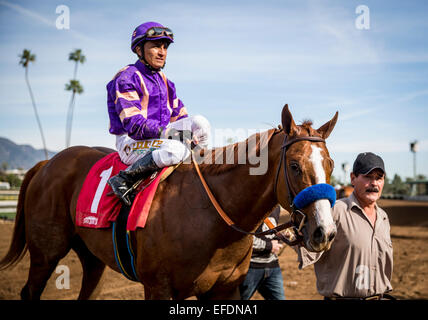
[
  {"x": 75, "y": 86},
  {"x": 77, "y": 56},
  {"x": 26, "y": 57}
]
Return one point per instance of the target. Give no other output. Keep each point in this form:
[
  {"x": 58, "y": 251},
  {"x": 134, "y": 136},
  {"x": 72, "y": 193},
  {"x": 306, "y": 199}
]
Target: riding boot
[{"x": 125, "y": 179}]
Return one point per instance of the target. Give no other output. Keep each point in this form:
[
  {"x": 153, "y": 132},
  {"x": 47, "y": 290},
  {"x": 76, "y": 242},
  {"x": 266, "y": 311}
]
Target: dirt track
[{"x": 409, "y": 234}]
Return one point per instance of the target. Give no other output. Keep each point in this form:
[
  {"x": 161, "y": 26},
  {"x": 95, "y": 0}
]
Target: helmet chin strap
[{"x": 143, "y": 60}]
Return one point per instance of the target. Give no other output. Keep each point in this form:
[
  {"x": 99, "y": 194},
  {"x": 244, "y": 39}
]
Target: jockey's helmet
[{"x": 150, "y": 31}]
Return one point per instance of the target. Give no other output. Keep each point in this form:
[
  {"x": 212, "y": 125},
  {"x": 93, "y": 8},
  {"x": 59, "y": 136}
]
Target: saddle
[{"x": 98, "y": 207}]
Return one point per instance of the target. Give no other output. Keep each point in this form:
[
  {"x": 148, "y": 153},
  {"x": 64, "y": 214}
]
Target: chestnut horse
[{"x": 186, "y": 249}]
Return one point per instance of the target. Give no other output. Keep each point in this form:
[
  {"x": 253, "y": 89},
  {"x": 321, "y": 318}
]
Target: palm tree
[
  {"x": 77, "y": 57},
  {"x": 75, "y": 87},
  {"x": 27, "y": 57}
]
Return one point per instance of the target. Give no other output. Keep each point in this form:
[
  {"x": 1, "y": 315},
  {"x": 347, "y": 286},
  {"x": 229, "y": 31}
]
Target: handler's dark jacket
[{"x": 262, "y": 246}]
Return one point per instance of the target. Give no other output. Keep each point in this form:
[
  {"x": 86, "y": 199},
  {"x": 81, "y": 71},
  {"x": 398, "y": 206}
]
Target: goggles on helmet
[{"x": 158, "y": 32}]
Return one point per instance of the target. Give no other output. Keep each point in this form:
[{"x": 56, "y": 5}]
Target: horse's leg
[
  {"x": 161, "y": 290},
  {"x": 38, "y": 276},
  {"x": 93, "y": 269},
  {"x": 158, "y": 294},
  {"x": 41, "y": 267},
  {"x": 48, "y": 241},
  {"x": 232, "y": 294}
]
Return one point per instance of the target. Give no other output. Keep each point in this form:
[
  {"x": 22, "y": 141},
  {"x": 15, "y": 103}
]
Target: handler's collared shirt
[{"x": 359, "y": 262}]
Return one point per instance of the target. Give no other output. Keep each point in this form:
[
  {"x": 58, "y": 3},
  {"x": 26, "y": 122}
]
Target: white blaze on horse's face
[{"x": 323, "y": 216}]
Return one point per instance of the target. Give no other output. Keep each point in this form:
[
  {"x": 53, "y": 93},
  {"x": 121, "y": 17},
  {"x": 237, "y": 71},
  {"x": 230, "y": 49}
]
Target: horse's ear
[
  {"x": 288, "y": 124},
  {"x": 328, "y": 127}
]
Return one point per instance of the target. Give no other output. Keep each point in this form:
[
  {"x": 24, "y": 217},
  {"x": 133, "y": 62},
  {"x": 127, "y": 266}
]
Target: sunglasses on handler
[{"x": 159, "y": 31}]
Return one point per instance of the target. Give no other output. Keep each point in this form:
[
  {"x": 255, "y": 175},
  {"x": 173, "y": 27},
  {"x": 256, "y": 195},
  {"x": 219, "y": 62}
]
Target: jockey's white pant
[{"x": 165, "y": 152}]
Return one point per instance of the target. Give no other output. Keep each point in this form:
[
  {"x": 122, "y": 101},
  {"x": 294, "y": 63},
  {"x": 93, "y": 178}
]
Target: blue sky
[{"x": 235, "y": 62}]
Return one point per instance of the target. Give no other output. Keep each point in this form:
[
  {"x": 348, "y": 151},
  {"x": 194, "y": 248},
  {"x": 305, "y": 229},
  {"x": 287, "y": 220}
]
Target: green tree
[
  {"x": 13, "y": 180},
  {"x": 27, "y": 57},
  {"x": 421, "y": 177},
  {"x": 398, "y": 186},
  {"x": 77, "y": 57},
  {"x": 75, "y": 87},
  {"x": 4, "y": 166}
]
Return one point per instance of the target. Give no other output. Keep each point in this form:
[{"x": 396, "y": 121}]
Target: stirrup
[{"x": 125, "y": 196}]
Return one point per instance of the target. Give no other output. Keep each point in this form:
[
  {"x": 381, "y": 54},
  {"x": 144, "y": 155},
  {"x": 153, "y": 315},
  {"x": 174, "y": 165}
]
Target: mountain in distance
[{"x": 20, "y": 156}]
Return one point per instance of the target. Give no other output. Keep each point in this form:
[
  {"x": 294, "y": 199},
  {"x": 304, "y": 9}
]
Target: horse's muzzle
[
  {"x": 320, "y": 239},
  {"x": 320, "y": 236}
]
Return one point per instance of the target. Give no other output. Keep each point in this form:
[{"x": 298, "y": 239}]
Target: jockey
[{"x": 150, "y": 123}]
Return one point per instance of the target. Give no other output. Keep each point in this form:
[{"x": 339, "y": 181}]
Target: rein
[
  {"x": 224, "y": 215},
  {"x": 295, "y": 222}
]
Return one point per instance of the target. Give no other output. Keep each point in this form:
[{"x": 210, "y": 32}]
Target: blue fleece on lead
[{"x": 314, "y": 193}]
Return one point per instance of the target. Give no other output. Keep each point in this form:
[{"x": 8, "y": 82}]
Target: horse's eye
[{"x": 295, "y": 167}]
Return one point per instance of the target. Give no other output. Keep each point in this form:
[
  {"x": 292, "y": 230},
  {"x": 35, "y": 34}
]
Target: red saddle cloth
[{"x": 96, "y": 209}]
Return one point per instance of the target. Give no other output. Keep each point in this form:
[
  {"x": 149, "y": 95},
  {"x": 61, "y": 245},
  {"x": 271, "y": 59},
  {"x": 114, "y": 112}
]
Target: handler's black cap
[{"x": 367, "y": 162}]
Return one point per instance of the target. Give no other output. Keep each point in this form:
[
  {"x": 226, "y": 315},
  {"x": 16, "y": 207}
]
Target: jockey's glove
[{"x": 184, "y": 136}]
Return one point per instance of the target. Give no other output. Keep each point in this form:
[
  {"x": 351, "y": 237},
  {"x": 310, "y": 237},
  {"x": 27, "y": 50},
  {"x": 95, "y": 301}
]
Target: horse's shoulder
[
  {"x": 184, "y": 168},
  {"x": 189, "y": 186}
]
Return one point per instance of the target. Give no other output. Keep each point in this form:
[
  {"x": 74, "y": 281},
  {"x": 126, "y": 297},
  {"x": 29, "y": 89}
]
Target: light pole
[
  {"x": 345, "y": 168},
  {"x": 414, "y": 147}
]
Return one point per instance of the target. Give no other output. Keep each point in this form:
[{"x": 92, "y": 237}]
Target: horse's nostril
[
  {"x": 331, "y": 236},
  {"x": 319, "y": 234}
]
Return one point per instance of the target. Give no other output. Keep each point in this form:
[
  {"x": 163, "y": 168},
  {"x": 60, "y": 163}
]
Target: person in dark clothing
[{"x": 264, "y": 274}]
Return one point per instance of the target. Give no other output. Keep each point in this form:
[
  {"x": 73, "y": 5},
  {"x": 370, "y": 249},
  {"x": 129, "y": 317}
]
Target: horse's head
[{"x": 308, "y": 168}]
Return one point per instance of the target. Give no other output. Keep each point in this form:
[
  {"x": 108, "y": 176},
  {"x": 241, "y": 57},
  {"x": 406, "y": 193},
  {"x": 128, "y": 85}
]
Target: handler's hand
[{"x": 276, "y": 246}]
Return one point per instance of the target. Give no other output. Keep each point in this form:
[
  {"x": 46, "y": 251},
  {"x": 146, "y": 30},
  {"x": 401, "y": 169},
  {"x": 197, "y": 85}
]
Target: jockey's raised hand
[{"x": 184, "y": 136}]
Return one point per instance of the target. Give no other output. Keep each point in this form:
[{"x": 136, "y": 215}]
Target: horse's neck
[{"x": 248, "y": 198}]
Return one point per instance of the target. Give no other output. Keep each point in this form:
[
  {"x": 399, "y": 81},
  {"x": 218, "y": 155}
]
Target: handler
[
  {"x": 149, "y": 121},
  {"x": 359, "y": 262},
  {"x": 264, "y": 274}
]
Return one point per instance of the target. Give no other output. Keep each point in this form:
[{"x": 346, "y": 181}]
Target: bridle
[{"x": 297, "y": 217}]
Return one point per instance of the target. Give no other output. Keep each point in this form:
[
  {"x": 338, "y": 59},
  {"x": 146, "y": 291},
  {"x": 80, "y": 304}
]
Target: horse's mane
[
  {"x": 222, "y": 159},
  {"x": 306, "y": 128},
  {"x": 307, "y": 123}
]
